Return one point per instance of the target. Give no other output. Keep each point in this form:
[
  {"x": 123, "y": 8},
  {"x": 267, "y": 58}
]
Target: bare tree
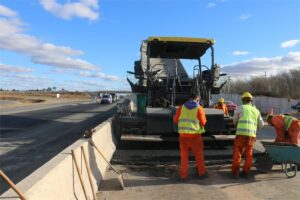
[{"x": 286, "y": 84}]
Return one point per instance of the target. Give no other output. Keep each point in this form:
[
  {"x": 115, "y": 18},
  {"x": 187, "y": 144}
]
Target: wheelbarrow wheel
[
  {"x": 263, "y": 163},
  {"x": 289, "y": 169}
]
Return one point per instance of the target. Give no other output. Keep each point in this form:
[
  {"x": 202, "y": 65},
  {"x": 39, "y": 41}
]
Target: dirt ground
[
  {"x": 151, "y": 171},
  {"x": 161, "y": 182},
  {"x": 13, "y": 99}
]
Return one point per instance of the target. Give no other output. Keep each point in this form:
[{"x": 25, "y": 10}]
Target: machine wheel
[
  {"x": 264, "y": 163},
  {"x": 290, "y": 169}
]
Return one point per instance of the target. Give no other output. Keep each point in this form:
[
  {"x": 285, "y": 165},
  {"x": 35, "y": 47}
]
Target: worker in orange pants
[
  {"x": 294, "y": 131},
  {"x": 248, "y": 119},
  {"x": 191, "y": 119},
  {"x": 242, "y": 145},
  {"x": 287, "y": 128},
  {"x": 195, "y": 144}
]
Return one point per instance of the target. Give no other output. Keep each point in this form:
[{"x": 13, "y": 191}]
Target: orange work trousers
[
  {"x": 191, "y": 142},
  {"x": 243, "y": 145},
  {"x": 294, "y": 132}
]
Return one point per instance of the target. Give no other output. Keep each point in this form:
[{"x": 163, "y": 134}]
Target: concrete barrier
[{"x": 58, "y": 178}]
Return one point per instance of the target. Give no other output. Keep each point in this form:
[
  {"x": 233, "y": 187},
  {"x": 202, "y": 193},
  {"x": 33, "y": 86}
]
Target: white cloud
[
  {"x": 244, "y": 17},
  {"x": 14, "y": 69},
  {"x": 22, "y": 78},
  {"x": 258, "y": 66},
  {"x": 214, "y": 3},
  {"x": 25, "y": 82},
  {"x": 290, "y": 43},
  {"x": 13, "y": 38},
  {"x": 29, "y": 77},
  {"x": 240, "y": 53},
  {"x": 211, "y": 5},
  {"x": 10, "y": 26},
  {"x": 90, "y": 83},
  {"x": 81, "y": 8},
  {"x": 4, "y": 11},
  {"x": 99, "y": 75}
]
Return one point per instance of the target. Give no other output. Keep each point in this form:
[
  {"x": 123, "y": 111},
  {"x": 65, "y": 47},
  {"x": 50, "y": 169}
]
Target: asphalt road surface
[{"x": 30, "y": 139}]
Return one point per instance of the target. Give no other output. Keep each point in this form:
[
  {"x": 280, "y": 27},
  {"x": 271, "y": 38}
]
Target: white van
[{"x": 106, "y": 98}]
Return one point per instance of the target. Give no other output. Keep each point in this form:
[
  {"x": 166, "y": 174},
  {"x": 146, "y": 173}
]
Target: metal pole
[
  {"x": 174, "y": 84},
  {"x": 212, "y": 56},
  {"x": 148, "y": 73},
  {"x": 200, "y": 76},
  {"x": 229, "y": 83},
  {"x": 212, "y": 67}
]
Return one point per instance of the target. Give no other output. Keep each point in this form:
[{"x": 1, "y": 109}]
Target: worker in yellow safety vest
[
  {"x": 248, "y": 119},
  {"x": 287, "y": 128},
  {"x": 191, "y": 119}
]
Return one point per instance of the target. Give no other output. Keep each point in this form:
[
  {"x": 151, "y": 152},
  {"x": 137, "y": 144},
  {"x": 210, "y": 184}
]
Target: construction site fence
[{"x": 263, "y": 103}]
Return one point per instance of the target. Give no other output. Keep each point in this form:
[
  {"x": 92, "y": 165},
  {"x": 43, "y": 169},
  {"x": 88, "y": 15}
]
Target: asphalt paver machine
[{"x": 162, "y": 83}]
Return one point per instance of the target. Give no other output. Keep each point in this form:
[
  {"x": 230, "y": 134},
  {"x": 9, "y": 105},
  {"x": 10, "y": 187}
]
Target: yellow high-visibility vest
[
  {"x": 288, "y": 120},
  {"x": 188, "y": 121},
  {"x": 247, "y": 124}
]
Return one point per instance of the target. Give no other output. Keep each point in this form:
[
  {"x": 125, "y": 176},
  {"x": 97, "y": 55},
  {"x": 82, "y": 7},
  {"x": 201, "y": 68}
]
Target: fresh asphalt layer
[{"x": 29, "y": 139}]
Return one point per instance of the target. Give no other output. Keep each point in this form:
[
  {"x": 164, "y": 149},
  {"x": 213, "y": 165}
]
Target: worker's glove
[{"x": 286, "y": 134}]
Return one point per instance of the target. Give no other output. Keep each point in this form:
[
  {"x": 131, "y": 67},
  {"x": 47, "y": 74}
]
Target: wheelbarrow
[{"x": 284, "y": 154}]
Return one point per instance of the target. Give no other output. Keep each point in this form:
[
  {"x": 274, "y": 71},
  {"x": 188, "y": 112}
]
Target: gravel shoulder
[{"x": 12, "y": 102}]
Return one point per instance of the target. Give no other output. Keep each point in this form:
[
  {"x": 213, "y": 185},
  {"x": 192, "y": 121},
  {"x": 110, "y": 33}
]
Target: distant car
[
  {"x": 96, "y": 98},
  {"x": 106, "y": 99},
  {"x": 296, "y": 107},
  {"x": 231, "y": 107}
]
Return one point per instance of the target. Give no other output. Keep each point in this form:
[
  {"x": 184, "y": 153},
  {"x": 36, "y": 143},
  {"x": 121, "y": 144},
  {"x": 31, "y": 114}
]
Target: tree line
[
  {"x": 285, "y": 84},
  {"x": 49, "y": 89}
]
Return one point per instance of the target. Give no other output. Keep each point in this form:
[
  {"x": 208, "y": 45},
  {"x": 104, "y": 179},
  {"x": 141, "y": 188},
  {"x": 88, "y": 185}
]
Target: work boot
[
  {"x": 234, "y": 176},
  {"x": 204, "y": 176},
  {"x": 182, "y": 180},
  {"x": 245, "y": 175}
]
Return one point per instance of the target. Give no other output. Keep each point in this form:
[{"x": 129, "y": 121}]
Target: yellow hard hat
[
  {"x": 247, "y": 95},
  {"x": 221, "y": 100}
]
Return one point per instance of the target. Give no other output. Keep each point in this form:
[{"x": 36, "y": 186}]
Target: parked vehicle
[
  {"x": 97, "y": 98},
  {"x": 231, "y": 107},
  {"x": 107, "y": 98},
  {"x": 296, "y": 107}
]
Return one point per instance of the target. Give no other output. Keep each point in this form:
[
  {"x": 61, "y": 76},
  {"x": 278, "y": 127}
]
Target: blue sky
[{"x": 90, "y": 44}]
